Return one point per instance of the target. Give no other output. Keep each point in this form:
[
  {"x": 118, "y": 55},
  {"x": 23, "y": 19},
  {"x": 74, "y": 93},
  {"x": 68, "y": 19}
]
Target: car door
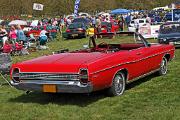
[
  {"x": 139, "y": 62},
  {"x": 155, "y": 58},
  {"x": 142, "y": 57}
]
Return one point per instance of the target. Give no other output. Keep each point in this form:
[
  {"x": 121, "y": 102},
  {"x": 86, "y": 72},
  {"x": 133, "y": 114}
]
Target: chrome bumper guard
[{"x": 61, "y": 86}]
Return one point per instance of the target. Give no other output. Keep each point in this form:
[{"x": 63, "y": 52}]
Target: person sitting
[
  {"x": 43, "y": 40},
  {"x": 7, "y": 48}
]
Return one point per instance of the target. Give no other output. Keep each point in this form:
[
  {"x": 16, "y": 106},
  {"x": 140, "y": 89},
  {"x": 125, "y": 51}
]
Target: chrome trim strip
[
  {"x": 132, "y": 61},
  {"x": 142, "y": 76},
  {"x": 46, "y": 82},
  {"x": 46, "y": 76}
]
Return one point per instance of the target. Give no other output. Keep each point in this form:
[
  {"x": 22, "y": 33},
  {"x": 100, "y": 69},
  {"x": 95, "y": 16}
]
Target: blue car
[
  {"x": 75, "y": 30},
  {"x": 169, "y": 33}
]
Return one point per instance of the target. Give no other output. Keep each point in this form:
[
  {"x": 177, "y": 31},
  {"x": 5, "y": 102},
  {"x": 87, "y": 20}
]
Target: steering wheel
[{"x": 102, "y": 47}]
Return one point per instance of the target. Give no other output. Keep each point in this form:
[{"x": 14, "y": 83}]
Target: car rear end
[
  {"x": 76, "y": 30},
  {"x": 52, "y": 82},
  {"x": 64, "y": 73}
]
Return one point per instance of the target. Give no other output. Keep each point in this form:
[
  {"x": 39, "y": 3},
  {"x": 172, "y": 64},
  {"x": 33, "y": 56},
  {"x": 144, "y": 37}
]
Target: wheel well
[
  {"x": 167, "y": 56},
  {"x": 125, "y": 71}
]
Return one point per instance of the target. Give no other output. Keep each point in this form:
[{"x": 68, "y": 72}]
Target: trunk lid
[{"x": 65, "y": 62}]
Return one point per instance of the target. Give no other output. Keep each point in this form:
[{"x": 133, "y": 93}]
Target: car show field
[{"x": 152, "y": 97}]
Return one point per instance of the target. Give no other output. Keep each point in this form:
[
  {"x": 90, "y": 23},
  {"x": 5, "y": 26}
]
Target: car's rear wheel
[
  {"x": 118, "y": 85},
  {"x": 163, "y": 67}
]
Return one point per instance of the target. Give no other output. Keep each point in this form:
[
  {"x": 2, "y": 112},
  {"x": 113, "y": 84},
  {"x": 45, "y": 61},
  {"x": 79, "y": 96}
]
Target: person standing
[
  {"x": 136, "y": 23},
  {"x": 69, "y": 21},
  {"x": 93, "y": 21},
  {"x": 121, "y": 23},
  {"x": 13, "y": 35},
  {"x": 3, "y": 34},
  {"x": 20, "y": 35},
  {"x": 148, "y": 19},
  {"x": 128, "y": 19},
  {"x": 98, "y": 25},
  {"x": 62, "y": 24}
]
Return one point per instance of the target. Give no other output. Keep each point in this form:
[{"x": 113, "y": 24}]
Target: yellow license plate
[{"x": 50, "y": 88}]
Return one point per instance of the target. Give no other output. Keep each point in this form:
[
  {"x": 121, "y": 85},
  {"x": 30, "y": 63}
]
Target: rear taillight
[
  {"x": 68, "y": 30},
  {"x": 16, "y": 75},
  {"x": 83, "y": 76}
]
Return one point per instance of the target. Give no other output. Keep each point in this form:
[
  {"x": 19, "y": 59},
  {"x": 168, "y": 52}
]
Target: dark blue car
[
  {"x": 169, "y": 33},
  {"x": 75, "y": 30}
]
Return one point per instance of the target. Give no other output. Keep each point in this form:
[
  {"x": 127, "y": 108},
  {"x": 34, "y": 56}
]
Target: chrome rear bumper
[{"x": 61, "y": 86}]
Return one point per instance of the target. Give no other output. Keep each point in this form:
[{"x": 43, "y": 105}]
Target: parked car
[
  {"x": 51, "y": 30},
  {"x": 75, "y": 30},
  {"x": 167, "y": 17},
  {"x": 109, "y": 27},
  {"x": 82, "y": 14},
  {"x": 136, "y": 23},
  {"x": 169, "y": 33},
  {"x": 101, "y": 66}
]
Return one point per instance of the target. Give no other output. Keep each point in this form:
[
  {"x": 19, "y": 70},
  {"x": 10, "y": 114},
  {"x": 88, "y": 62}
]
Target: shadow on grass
[
  {"x": 75, "y": 38},
  {"x": 81, "y": 100},
  {"x": 140, "y": 81}
]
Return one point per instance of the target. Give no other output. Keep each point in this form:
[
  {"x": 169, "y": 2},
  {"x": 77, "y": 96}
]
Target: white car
[
  {"x": 136, "y": 24},
  {"x": 82, "y": 14},
  {"x": 70, "y": 16}
]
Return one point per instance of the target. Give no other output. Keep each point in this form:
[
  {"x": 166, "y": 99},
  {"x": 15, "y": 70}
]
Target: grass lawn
[{"x": 151, "y": 98}]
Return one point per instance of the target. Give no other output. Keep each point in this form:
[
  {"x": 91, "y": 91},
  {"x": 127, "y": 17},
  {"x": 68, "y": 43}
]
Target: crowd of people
[{"x": 15, "y": 34}]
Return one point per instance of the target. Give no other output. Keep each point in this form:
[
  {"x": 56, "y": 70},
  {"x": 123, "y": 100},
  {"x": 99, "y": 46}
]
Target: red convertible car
[
  {"x": 109, "y": 27},
  {"x": 101, "y": 66},
  {"x": 36, "y": 30}
]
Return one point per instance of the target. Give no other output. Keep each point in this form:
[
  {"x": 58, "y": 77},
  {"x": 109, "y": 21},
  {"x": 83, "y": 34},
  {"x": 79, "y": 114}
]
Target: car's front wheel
[
  {"x": 163, "y": 67},
  {"x": 118, "y": 85}
]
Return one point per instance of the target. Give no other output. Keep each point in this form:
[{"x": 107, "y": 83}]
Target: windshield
[
  {"x": 141, "y": 21},
  {"x": 122, "y": 38},
  {"x": 81, "y": 20},
  {"x": 76, "y": 25},
  {"x": 123, "y": 41},
  {"x": 170, "y": 28},
  {"x": 110, "y": 43},
  {"x": 106, "y": 24},
  {"x": 35, "y": 28}
]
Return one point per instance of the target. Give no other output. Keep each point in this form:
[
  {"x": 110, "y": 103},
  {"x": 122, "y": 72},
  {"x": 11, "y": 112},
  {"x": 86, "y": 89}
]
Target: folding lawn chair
[{"x": 5, "y": 64}]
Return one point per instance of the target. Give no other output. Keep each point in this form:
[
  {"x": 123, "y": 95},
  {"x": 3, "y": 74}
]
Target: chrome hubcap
[
  {"x": 119, "y": 84},
  {"x": 164, "y": 66}
]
